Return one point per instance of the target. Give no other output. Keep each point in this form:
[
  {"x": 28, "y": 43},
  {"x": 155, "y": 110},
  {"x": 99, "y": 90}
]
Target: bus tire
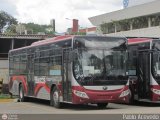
[
  {"x": 21, "y": 94},
  {"x": 102, "y": 105},
  {"x": 55, "y": 98}
]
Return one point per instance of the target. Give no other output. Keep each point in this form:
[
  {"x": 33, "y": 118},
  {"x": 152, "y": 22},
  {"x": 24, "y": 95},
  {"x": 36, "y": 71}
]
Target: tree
[
  {"x": 47, "y": 29},
  {"x": 6, "y": 19},
  {"x": 11, "y": 30},
  {"x": 79, "y": 33}
]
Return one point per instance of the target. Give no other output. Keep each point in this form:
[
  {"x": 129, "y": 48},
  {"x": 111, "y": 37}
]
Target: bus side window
[
  {"x": 11, "y": 65},
  {"x": 55, "y": 66},
  {"x": 16, "y": 64},
  {"x": 132, "y": 63},
  {"x": 64, "y": 44},
  {"x": 43, "y": 66},
  {"x": 23, "y": 64}
]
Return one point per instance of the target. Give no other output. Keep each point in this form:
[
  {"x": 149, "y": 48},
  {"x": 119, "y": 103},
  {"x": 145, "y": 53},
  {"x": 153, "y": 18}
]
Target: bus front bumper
[{"x": 83, "y": 96}]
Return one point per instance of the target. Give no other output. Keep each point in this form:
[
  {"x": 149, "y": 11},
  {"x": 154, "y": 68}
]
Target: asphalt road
[
  {"x": 42, "y": 107},
  {"x": 35, "y": 106}
]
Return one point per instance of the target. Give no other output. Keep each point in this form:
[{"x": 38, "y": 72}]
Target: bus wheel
[
  {"x": 102, "y": 105},
  {"x": 21, "y": 93},
  {"x": 55, "y": 99}
]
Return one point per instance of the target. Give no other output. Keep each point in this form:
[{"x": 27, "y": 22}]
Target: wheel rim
[
  {"x": 55, "y": 97},
  {"x": 21, "y": 93}
]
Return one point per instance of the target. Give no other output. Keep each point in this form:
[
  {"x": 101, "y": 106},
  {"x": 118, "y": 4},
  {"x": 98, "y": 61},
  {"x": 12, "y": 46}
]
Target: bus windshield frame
[
  {"x": 156, "y": 60},
  {"x": 99, "y": 62}
]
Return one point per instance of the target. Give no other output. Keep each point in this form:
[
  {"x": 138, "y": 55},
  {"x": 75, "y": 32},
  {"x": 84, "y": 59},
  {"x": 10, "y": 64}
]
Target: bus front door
[
  {"x": 66, "y": 76},
  {"x": 143, "y": 75},
  {"x": 30, "y": 80}
]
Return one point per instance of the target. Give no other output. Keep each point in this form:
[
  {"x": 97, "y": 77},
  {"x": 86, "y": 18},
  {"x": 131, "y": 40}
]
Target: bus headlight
[
  {"x": 156, "y": 91},
  {"x": 81, "y": 94},
  {"x": 125, "y": 93}
]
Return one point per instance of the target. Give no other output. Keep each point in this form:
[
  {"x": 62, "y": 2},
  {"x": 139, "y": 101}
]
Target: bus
[
  {"x": 71, "y": 69},
  {"x": 144, "y": 69}
]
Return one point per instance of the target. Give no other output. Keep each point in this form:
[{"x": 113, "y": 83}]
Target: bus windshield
[
  {"x": 96, "y": 42},
  {"x": 156, "y": 66},
  {"x": 156, "y": 60},
  {"x": 95, "y": 66}
]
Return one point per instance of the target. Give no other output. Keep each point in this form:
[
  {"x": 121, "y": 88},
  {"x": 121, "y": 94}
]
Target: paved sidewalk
[{"x": 7, "y": 100}]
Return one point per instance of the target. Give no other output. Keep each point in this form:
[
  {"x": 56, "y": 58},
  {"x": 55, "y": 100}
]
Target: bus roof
[
  {"x": 52, "y": 40},
  {"x": 138, "y": 40},
  {"x": 55, "y": 39},
  {"x": 47, "y": 41}
]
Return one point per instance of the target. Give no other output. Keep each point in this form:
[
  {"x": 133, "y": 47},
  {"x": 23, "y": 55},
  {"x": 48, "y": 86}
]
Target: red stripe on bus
[
  {"x": 21, "y": 79},
  {"x": 39, "y": 86},
  {"x": 138, "y": 40},
  {"x": 52, "y": 40}
]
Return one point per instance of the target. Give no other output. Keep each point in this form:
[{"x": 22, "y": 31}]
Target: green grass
[{"x": 5, "y": 96}]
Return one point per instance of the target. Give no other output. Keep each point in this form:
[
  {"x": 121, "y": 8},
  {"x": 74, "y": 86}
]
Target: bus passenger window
[
  {"x": 55, "y": 66},
  {"x": 55, "y": 70}
]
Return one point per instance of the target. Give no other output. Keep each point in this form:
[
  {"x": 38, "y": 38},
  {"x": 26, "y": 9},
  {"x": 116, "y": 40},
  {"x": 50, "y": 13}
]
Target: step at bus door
[
  {"x": 67, "y": 93},
  {"x": 143, "y": 75}
]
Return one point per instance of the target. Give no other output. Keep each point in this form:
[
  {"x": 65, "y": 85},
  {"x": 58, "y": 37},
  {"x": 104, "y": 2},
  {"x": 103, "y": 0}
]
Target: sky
[{"x": 42, "y": 11}]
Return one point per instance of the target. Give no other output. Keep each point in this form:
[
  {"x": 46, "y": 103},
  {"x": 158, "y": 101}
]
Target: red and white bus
[
  {"x": 144, "y": 69},
  {"x": 72, "y": 69}
]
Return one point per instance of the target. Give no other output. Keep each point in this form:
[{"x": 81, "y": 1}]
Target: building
[
  {"x": 9, "y": 42},
  {"x": 130, "y": 3},
  {"x": 75, "y": 27},
  {"x": 52, "y": 22},
  {"x": 88, "y": 31},
  {"x": 69, "y": 31},
  {"x": 20, "y": 29},
  {"x": 140, "y": 19}
]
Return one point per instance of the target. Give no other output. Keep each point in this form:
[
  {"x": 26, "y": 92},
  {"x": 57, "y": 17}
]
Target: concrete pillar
[
  {"x": 115, "y": 26},
  {"x": 12, "y": 43},
  {"x": 149, "y": 22},
  {"x": 131, "y": 26},
  {"x": 53, "y": 25}
]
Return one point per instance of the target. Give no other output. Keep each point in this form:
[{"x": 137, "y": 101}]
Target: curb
[{"x": 7, "y": 100}]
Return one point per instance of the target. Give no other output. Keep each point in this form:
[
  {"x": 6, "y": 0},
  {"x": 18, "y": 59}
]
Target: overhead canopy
[{"x": 127, "y": 13}]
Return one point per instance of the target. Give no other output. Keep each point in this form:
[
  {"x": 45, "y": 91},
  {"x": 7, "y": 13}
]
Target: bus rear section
[
  {"x": 72, "y": 69},
  {"x": 144, "y": 69}
]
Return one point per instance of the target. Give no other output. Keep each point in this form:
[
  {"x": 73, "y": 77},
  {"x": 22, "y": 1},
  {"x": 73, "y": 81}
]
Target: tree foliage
[
  {"x": 11, "y": 30},
  {"x": 6, "y": 19},
  {"x": 11, "y": 23},
  {"x": 36, "y": 28},
  {"x": 79, "y": 33}
]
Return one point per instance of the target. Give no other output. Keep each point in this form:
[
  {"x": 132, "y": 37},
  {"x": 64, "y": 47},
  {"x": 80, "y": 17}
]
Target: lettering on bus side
[{"x": 45, "y": 79}]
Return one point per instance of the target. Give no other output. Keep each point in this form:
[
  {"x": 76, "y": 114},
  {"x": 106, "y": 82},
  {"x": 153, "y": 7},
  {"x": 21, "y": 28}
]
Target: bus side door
[
  {"x": 30, "y": 77},
  {"x": 66, "y": 75},
  {"x": 143, "y": 74}
]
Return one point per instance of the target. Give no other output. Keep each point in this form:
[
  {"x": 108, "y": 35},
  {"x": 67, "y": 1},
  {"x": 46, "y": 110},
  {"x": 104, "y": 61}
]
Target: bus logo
[{"x": 105, "y": 87}]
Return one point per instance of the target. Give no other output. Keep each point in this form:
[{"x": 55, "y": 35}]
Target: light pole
[{"x": 68, "y": 19}]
